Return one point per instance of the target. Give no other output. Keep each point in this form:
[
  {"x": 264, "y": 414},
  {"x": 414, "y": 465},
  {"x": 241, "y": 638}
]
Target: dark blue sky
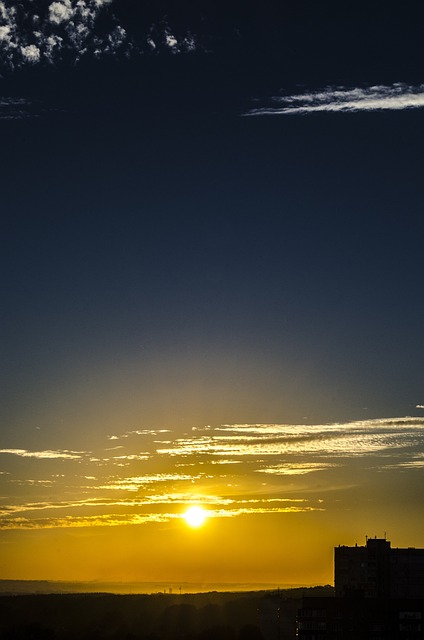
[{"x": 167, "y": 258}]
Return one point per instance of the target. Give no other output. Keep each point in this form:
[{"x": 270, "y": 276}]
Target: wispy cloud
[
  {"x": 138, "y": 502},
  {"x": 231, "y": 470},
  {"x": 19, "y": 517},
  {"x": 14, "y": 108},
  {"x": 64, "y": 454},
  {"x": 134, "y": 483},
  {"x": 132, "y": 456},
  {"x": 138, "y": 432},
  {"x": 344, "y": 99},
  {"x": 29, "y": 482},
  {"x": 107, "y": 520},
  {"x": 276, "y": 440},
  {"x": 115, "y": 520},
  {"x": 296, "y": 468}
]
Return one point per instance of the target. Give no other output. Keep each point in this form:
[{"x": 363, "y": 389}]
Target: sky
[{"x": 212, "y": 272}]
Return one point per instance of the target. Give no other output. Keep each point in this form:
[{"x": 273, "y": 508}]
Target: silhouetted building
[
  {"x": 359, "y": 618},
  {"x": 378, "y": 571},
  {"x": 379, "y": 595}
]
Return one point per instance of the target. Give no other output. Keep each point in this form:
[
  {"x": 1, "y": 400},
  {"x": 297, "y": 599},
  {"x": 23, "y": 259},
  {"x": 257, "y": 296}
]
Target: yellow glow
[
  {"x": 195, "y": 516},
  {"x": 92, "y": 531}
]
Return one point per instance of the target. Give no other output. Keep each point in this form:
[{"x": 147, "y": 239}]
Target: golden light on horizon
[
  {"x": 195, "y": 516},
  {"x": 202, "y": 505}
]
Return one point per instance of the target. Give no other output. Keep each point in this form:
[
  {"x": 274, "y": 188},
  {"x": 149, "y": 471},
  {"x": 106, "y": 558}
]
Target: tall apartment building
[
  {"x": 379, "y": 595},
  {"x": 378, "y": 571}
]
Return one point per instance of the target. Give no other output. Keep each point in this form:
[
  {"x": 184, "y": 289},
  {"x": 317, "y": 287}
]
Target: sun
[{"x": 195, "y": 516}]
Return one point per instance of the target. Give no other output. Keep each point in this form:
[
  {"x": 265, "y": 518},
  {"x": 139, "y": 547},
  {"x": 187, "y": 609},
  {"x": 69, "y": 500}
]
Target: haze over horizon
[{"x": 212, "y": 287}]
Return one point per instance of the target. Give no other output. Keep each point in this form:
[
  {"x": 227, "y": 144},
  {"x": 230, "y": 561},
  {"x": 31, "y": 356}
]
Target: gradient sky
[{"x": 212, "y": 272}]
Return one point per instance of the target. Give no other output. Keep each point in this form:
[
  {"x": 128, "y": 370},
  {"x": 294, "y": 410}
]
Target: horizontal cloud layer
[
  {"x": 356, "y": 438},
  {"x": 342, "y": 99},
  {"x": 67, "y": 455},
  {"x": 231, "y": 470}
]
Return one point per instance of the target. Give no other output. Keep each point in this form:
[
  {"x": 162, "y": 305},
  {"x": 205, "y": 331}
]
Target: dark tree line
[{"x": 213, "y": 616}]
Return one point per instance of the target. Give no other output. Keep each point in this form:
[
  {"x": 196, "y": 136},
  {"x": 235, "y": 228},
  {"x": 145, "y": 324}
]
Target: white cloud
[
  {"x": 31, "y": 53},
  {"x": 72, "y": 29},
  {"x": 69, "y": 28},
  {"x": 171, "y": 41},
  {"x": 3, "y": 12},
  {"x": 4, "y": 33},
  {"x": 189, "y": 43},
  {"x": 342, "y": 99},
  {"x": 60, "y": 11},
  {"x": 98, "y": 3}
]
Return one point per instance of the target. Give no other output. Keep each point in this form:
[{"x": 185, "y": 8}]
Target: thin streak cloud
[
  {"x": 113, "y": 520},
  {"x": 394, "y": 97},
  {"x": 294, "y": 469},
  {"x": 167, "y": 499},
  {"x": 134, "y": 483},
  {"x": 139, "y": 432},
  {"x": 139, "y": 502},
  {"x": 64, "y": 454}
]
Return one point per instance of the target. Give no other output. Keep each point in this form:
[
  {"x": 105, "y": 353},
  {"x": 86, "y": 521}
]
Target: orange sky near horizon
[{"x": 277, "y": 497}]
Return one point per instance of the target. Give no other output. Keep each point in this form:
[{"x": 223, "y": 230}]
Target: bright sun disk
[{"x": 195, "y": 516}]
